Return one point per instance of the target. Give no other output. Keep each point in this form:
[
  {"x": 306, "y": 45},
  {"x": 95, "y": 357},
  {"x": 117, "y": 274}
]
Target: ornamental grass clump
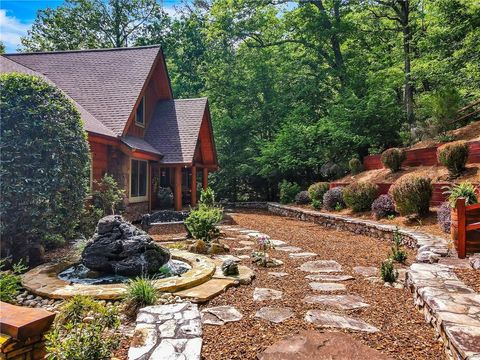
[
  {"x": 333, "y": 199},
  {"x": 398, "y": 254},
  {"x": 355, "y": 166},
  {"x": 412, "y": 194},
  {"x": 444, "y": 217},
  {"x": 140, "y": 292},
  {"x": 317, "y": 190},
  {"x": 360, "y": 196},
  {"x": 393, "y": 158},
  {"x": 288, "y": 190},
  {"x": 465, "y": 190},
  {"x": 302, "y": 198},
  {"x": 388, "y": 272},
  {"x": 454, "y": 157},
  {"x": 383, "y": 206}
]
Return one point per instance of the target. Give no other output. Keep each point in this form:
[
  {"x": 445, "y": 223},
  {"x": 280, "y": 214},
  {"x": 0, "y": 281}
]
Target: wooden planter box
[{"x": 472, "y": 238}]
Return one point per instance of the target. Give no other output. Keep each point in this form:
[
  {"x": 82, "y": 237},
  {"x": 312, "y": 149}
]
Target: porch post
[
  {"x": 193, "y": 186},
  {"x": 205, "y": 178},
  {"x": 178, "y": 189}
]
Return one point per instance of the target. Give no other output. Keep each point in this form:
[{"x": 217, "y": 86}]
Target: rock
[
  {"x": 327, "y": 286},
  {"x": 329, "y": 277},
  {"x": 217, "y": 248},
  {"x": 321, "y": 266},
  {"x": 341, "y": 302},
  {"x": 310, "y": 345},
  {"x": 229, "y": 268},
  {"x": 328, "y": 319},
  {"x": 262, "y": 294},
  {"x": 475, "y": 262},
  {"x": 278, "y": 274},
  {"x": 289, "y": 248},
  {"x": 366, "y": 271},
  {"x": 220, "y": 315},
  {"x": 277, "y": 242},
  {"x": 427, "y": 257},
  {"x": 119, "y": 247},
  {"x": 302, "y": 255},
  {"x": 275, "y": 315},
  {"x": 199, "y": 247}
]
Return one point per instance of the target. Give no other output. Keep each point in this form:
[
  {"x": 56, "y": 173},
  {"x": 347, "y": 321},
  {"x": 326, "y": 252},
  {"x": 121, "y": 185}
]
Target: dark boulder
[{"x": 118, "y": 247}]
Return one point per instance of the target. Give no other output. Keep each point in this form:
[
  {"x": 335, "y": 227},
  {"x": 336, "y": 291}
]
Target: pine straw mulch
[
  {"x": 403, "y": 331},
  {"x": 470, "y": 277}
]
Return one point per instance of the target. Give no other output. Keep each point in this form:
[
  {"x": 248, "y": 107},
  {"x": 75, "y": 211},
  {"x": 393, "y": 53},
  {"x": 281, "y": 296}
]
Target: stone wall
[
  {"x": 246, "y": 205},
  {"x": 31, "y": 349},
  {"x": 135, "y": 211}
]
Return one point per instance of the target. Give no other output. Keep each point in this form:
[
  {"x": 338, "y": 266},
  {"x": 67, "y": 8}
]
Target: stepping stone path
[
  {"x": 220, "y": 315},
  {"x": 278, "y": 274},
  {"x": 328, "y": 319},
  {"x": 277, "y": 242},
  {"x": 246, "y": 242},
  {"x": 317, "y": 286},
  {"x": 275, "y": 315},
  {"x": 245, "y": 248},
  {"x": 329, "y": 277},
  {"x": 262, "y": 294},
  {"x": 321, "y": 266},
  {"x": 289, "y": 248},
  {"x": 302, "y": 255},
  {"x": 366, "y": 271},
  {"x": 341, "y": 302},
  {"x": 167, "y": 332}
]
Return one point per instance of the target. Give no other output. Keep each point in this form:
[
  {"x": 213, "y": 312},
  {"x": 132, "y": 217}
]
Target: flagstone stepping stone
[
  {"x": 245, "y": 248},
  {"x": 227, "y": 257},
  {"x": 277, "y": 242},
  {"x": 229, "y": 238},
  {"x": 289, "y": 248},
  {"x": 278, "y": 274},
  {"x": 309, "y": 345},
  {"x": 220, "y": 315},
  {"x": 275, "y": 315},
  {"x": 262, "y": 294},
  {"x": 366, "y": 271},
  {"x": 328, "y": 319},
  {"x": 329, "y": 277},
  {"x": 317, "y": 286},
  {"x": 255, "y": 234},
  {"x": 302, "y": 255},
  {"x": 243, "y": 257},
  {"x": 341, "y": 302},
  {"x": 321, "y": 266},
  {"x": 247, "y": 231},
  {"x": 246, "y": 242}
]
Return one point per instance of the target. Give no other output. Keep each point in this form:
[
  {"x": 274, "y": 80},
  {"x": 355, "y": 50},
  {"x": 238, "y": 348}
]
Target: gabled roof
[
  {"x": 175, "y": 127},
  {"x": 106, "y": 82}
]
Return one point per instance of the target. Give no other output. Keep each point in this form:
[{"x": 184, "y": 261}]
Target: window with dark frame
[
  {"x": 140, "y": 114},
  {"x": 139, "y": 177}
]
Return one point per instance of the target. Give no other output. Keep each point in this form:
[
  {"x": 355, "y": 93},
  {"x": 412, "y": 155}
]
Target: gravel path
[{"x": 403, "y": 332}]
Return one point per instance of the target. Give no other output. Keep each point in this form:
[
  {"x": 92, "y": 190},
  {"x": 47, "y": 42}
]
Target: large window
[
  {"x": 138, "y": 179},
  {"x": 140, "y": 113}
]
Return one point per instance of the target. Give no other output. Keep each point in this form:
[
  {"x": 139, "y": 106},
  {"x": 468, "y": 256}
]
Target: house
[{"x": 137, "y": 131}]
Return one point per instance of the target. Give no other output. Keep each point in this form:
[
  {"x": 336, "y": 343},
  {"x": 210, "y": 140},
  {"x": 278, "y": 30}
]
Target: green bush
[
  {"x": 207, "y": 197},
  {"x": 165, "y": 197},
  {"x": 388, "y": 272},
  {"x": 393, "y": 158},
  {"x": 89, "y": 220},
  {"x": 44, "y": 163},
  {"x": 140, "y": 292},
  {"x": 412, "y": 195},
  {"x": 107, "y": 195},
  {"x": 355, "y": 166},
  {"x": 317, "y": 204},
  {"x": 83, "y": 330},
  {"x": 465, "y": 190},
  {"x": 398, "y": 254},
  {"x": 288, "y": 191},
  {"x": 201, "y": 222},
  {"x": 453, "y": 156},
  {"x": 10, "y": 281},
  {"x": 317, "y": 190},
  {"x": 360, "y": 196}
]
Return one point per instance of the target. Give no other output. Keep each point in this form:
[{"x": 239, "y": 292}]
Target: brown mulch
[
  {"x": 403, "y": 331},
  {"x": 470, "y": 277}
]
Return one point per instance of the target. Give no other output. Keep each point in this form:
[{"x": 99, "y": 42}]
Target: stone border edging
[{"x": 451, "y": 307}]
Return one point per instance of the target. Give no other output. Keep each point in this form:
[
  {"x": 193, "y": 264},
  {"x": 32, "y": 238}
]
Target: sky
[{"x": 17, "y": 16}]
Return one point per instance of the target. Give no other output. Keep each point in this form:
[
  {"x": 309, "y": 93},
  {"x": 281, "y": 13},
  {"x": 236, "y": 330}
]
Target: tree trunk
[{"x": 408, "y": 92}]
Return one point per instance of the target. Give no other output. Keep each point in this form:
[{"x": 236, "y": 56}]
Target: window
[
  {"x": 138, "y": 179},
  {"x": 140, "y": 114}
]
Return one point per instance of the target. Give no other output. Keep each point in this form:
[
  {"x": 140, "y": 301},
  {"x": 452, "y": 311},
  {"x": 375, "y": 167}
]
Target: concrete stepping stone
[
  {"x": 243, "y": 257},
  {"x": 246, "y": 242},
  {"x": 289, "y": 248},
  {"x": 329, "y": 277},
  {"x": 274, "y": 315},
  {"x": 317, "y": 286},
  {"x": 278, "y": 274},
  {"x": 329, "y": 320},
  {"x": 302, "y": 255},
  {"x": 321, "y": 266},
  {"x": 277, "y": 242},
  {"x": 366, "y": 271},
  {"x": 262, "y": 294},
  {"x": 245, "y": 248},
  {"x": 220, "y": 315},
  {"x": 310, "y": 345},
  {"x": 341, "y": 302},
  {"x": 248, "y": 231}
]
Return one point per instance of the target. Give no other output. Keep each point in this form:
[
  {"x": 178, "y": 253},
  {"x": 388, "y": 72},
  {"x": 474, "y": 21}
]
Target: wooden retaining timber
[{"x": 468, "y": 228}]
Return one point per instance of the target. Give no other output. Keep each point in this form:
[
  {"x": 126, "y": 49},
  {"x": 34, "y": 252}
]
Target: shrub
[
  {"x": 398, "y": 254},
  {"x": 302, "y": 198},
  {"x": 44, "y": 163},
  {"x": 444, "y": 217},
  {"x": 388, "y": 272},
  {"x": 165, "y": 197},
  {"x": 411, "y": 195},
  {"x": 464, "y": 190},
  {"x": 201, "y": 223},
  {"x": 288, "y": 191},
  {"x": 107, "y": 195},
  {"x": 383, "y": 206},
  {"x": 355, "y": 166},
  {"x": 140, "y": 292},
  {"x": 317, "y": 190},
  {"x": 89, "y": 220},
  {"x": 360, "y": 196},
  {"x": 393, "y": 158},
  {"x": 317, "y": 204},
  {"x": 331, "y": 171},
  {"x": 453, "y": 156},
  {"x": 84, "y": 329},
  {"x": 333, "y": 199},
  {"x": 10, "y": 281}
]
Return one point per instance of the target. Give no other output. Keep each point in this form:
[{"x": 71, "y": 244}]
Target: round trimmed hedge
[
  {"x": 412, "y": 194},
  {"x": 360, "y": 196},
  {"x": 44, "y": 163},
  {"x": 453, "y": 156},
  {"x": 393, "y": 158}
]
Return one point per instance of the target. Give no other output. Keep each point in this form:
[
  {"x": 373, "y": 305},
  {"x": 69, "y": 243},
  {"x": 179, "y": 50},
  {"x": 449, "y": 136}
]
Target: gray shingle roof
[
  {"x": 175, "y": 127},
  {"x": 139, "y": 144},
  {"x": 105, "y": 82}
]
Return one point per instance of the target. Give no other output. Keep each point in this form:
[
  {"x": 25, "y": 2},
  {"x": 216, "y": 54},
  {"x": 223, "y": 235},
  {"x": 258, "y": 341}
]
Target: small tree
[{"x": 107, "y": 195}]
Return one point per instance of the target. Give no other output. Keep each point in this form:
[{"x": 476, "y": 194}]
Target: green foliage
[
  {"x": 387, "y": 271},
  {"x": 444, "y": 138},
  {"x": 140, "y": 292},
  {"x": 43, "y": 166},
  {"x": 398, "y": 254},
  {"x": 465, "y": 190},
  {"x": 355, "y": 166},
  {"x": 202, "y": 222},
  {"x": 165, "y": 197},
  {"x": 89, "y": 220},
  {"x": 317, "y": 190},
  {"x": 454, "y": 156},
  {"x": 317, "y": 204},
  {"x": 412, "y": 195},
  {"x": 107, "y": 194},
  {"x": 52, "y": 241},
  {"x": 207, "y": 198},
  {"x": 83, "y": 330},
  {"x": 10, "y": 281},
  {"x": 393, "y": 158},
  {"x": 360, "y": 196},
  {"x": 288, "y": 191}
]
